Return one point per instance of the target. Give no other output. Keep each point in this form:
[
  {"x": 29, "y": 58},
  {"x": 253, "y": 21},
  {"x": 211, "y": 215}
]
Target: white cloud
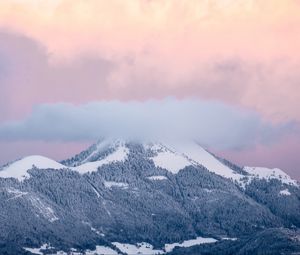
[{"x": 211, "y": 123}]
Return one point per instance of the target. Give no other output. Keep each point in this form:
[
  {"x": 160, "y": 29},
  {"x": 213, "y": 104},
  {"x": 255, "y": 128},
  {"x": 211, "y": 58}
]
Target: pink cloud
[
  {"x": 163, "y": 48},
  {"x": 242, "y": 52},
  {"x": 28, "y": 78}
]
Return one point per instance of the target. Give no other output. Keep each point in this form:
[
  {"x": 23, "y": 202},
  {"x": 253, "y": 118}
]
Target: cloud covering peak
[{"x": 210, "y": 123}]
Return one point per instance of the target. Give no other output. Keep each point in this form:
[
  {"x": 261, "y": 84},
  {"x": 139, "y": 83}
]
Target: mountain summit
[{"x": 120, "y": 197}]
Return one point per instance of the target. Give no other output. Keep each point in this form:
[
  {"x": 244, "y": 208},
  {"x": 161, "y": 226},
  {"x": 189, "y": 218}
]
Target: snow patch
[
  {"x": 189, "y": 243},
  {"x": 34, "y": 250},
  {"x": 139, "y": 248},
  {"x": 18, "y": 169},
  {"x": 38, "y": 250},
  {"x": 97, "y": 232},
  {"x": 101, "y": 250},
  {"x": 110, "y": 184},
  {"x": 229, "y": 238},
  {"x": 93, "y": 229},
  {"x": 285, "y": 192},
  {"x": 157, "y": 178}
]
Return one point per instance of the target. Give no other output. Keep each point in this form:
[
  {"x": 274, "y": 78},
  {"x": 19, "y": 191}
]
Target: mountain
[{"x": 122, "y": 197}]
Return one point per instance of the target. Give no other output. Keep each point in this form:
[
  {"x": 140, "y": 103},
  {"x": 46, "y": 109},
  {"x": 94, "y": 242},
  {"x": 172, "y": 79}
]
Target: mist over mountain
[
  {"x": 167, "y": 119},
  {"x": 158, "y": 197}
]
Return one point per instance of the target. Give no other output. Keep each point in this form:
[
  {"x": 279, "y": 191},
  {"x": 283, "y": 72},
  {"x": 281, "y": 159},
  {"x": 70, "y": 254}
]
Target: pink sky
[{"x": 241, "y": 52}]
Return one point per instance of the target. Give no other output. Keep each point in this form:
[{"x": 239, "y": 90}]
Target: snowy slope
[
  {"x": 167, "y": 158},
  {"x": 199, "y": 155},
  {"x": 174, "y": 157},
  {"x": 19, "y": 168},
  {"x": 268, "y": 174}
]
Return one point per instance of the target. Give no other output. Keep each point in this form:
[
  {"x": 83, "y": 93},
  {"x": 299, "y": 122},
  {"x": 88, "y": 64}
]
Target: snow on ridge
[
  {"x": 195, "y": 153},
  {"x": 268, "y": 174},
  {"x": 119, "y": 155},
  {"x": 170, "y": 156},
  {"x": 18, "y": 169},
  {"x": 176, "y": 156}
]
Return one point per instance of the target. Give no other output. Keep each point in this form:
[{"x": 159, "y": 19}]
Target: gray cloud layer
[{"x": 211, "y": 123}]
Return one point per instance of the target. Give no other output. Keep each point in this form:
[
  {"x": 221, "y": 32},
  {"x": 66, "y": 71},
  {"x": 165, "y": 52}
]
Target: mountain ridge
[
  {"x": 126, "y": 197},
  {"x": 208, "y": 160}
]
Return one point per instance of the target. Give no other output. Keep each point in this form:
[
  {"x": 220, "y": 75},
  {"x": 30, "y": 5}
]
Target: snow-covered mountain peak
[
  {"x": 104, "y": 152},
  {"x": 19, "y": 168},
  {"x": 176, "y": 156},
  {"x": 171, "y": 156}
]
